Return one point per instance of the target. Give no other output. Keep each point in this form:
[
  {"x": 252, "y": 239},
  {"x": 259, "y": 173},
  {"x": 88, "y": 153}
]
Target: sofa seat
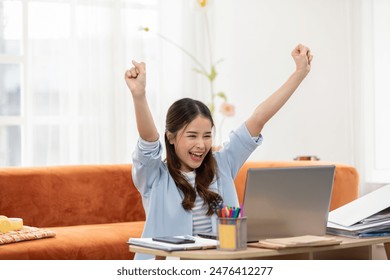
[{"x": 84, "y": 242}]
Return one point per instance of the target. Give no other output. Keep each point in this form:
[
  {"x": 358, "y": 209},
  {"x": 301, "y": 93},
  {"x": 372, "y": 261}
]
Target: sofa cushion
[{"x": 92, "y": 242}]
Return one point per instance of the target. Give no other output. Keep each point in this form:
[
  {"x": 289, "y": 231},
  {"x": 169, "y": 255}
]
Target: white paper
[
  {"x": 358, "y": 227},
  {"x": 361, "y": 208}
]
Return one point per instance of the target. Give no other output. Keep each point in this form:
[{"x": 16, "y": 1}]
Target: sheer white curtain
[
  {"x": 74, "y": 106},
  {"x": 75, "y": 60}
]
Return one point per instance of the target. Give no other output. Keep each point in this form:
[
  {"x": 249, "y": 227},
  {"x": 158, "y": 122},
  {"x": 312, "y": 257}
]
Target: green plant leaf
[
  {"x": 222, "y": 95},
  {"x": 213, "y": 74}
]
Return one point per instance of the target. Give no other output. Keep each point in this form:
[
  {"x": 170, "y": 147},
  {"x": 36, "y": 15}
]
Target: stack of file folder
[{"x": 367, "y": 216}]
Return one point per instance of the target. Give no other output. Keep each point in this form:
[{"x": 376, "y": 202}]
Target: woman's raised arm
[
  {"x": 268, "y": 108},
  {"x": 136, "y": 82}
]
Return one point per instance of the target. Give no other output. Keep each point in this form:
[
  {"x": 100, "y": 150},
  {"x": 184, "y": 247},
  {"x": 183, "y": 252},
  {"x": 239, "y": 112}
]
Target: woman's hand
[
  {"x": 302, "y": 57},
  {"x": 136, "y": 79}
]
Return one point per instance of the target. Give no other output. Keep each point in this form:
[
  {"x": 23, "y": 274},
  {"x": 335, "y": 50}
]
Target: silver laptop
[{"x": 287, "y": 201}]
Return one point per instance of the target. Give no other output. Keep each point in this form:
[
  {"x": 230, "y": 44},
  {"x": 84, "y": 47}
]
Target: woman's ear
[{"x": 170, "y": 137}]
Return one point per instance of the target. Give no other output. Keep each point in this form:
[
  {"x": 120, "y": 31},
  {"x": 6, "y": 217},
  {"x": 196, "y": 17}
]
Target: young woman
[{"x": 178, "y": 193}]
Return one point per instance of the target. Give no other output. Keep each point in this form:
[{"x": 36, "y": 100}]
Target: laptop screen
[{"x": 287, "y": 201}]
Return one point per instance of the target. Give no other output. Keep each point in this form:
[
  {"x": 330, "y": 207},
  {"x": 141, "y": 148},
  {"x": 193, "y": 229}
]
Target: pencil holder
[{"x": 232, "y": 235}]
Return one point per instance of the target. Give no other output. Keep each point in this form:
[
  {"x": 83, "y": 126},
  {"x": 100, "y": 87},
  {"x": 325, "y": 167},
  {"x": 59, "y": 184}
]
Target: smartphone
[
  {"x": 209, "y": 235},
  {"x": 173, "y": 240}
]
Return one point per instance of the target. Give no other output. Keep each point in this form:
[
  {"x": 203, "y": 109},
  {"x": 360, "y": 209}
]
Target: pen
[
  {"x": 225, "y": 212},
  {"x": 232, "y": 212},
  {"x": 237, "y": 212}
]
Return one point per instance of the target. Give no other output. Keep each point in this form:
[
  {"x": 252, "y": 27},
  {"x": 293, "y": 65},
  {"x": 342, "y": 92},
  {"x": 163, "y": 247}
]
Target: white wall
[{"x": 255, "y": 38}]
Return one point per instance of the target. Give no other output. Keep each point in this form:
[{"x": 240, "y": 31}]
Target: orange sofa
[{"x": 95, "y": 209}]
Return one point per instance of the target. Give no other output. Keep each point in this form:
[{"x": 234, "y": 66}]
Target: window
[
  {"x": 10, "y": 82},
  {"x": 62, "y": 97},
  {"x": 376, "y": 69}
]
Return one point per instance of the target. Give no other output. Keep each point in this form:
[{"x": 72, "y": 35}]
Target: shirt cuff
[
  {"x": 146, "y": 145},
  {"x": 258, "y": 139}
]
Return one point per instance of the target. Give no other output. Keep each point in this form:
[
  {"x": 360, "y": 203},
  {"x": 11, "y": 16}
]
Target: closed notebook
[
  {"x": 296, "y": 241},
  {"x": 200, "y": 243}
]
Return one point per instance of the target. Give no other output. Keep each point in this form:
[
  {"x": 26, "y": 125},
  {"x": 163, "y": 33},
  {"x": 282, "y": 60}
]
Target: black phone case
[
  {"x": 208, "y": 235},
  {"x": 173, "y": 240}
]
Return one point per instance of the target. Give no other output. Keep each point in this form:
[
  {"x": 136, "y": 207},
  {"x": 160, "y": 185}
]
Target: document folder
[{"x": 368, "y": 215}]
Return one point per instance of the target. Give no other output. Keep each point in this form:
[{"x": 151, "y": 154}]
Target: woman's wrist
[
  {"x": 139, "y": 95},
  {"x": 301, "y": 73}
]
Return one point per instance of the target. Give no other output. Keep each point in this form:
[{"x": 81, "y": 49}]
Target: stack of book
[
  {"x": 367, "y": 216},
  {"x": 296, "y": 241}
]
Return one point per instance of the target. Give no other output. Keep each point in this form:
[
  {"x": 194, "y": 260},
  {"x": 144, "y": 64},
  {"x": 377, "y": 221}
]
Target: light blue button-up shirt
[{"x": 162, "y": 200}]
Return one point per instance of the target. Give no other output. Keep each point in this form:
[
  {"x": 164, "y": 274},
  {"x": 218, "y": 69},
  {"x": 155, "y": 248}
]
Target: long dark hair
[{"x": 179, "y": 115}]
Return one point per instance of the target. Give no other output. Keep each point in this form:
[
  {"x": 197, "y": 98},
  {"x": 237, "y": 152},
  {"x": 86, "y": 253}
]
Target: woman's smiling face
[{"x": 192, "y": 143}]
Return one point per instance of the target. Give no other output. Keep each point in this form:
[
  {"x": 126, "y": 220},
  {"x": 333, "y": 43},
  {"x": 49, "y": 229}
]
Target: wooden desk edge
[{"x": 252, "y": 252}]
